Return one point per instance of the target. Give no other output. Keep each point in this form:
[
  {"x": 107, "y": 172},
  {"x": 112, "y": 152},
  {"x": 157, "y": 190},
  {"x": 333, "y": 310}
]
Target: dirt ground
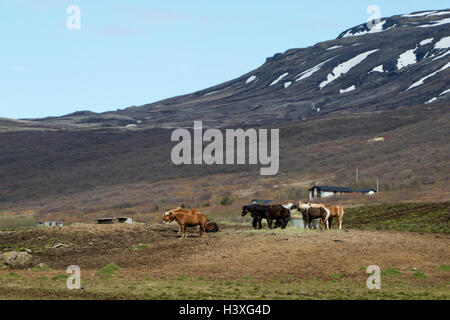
[{"x": 236, "y": 252}]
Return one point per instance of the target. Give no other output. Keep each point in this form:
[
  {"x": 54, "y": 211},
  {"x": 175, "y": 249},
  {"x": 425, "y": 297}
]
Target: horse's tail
[{"x": 328, "y": 213}]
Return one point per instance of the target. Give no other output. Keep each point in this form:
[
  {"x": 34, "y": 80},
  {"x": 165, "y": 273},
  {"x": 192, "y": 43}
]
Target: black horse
[{"x": 280, "y": 214}]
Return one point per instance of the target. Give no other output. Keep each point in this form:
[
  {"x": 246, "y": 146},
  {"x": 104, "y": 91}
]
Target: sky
[{"x": 130, "y": 53}]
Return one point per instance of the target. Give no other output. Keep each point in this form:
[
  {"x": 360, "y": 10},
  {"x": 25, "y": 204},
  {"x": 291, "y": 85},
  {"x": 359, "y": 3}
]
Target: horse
[
  {"x": 179, "y": 209},
  {"x": 313, "y": 205},
  {"x": 270, "y": 212},
  {"x": 338, "y": 212},
  {"x": 310, "y": 212},
  {"x": 289, "y": 206},
  {"x": 187, "y": 220}
]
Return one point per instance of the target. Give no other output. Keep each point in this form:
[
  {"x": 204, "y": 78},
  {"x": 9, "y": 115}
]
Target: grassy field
[
  {"x": 121, "y": 285},
  {"x": 13, "y": 222},
  {"x": 420, "y": 217},
  {"x": 409, "y": 241},
  {"x": 149, "y": 262}
]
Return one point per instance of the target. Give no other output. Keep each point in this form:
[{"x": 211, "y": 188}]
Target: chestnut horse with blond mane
[{"x": 185, "y": 219}]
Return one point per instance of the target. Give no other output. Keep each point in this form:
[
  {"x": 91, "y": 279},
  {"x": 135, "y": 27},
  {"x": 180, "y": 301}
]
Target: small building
[
  {"x": 105, "y": 220},
  {"x": 318, "y": 192},
  {"x": 125, "y": 220},
  {"x": 49, "y": 224}
]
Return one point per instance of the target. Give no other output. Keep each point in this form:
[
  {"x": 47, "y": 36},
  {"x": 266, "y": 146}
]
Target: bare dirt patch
[{"x": 236, "y": 251}]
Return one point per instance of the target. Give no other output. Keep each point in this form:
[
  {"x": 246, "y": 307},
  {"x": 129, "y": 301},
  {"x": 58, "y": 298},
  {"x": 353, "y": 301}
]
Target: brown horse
[
  {"x": 310, "y": 212},
  {"x": 187, "y": 220},
  {"x": 338, "y": 212},
  {"x": 187, "y": 211}
]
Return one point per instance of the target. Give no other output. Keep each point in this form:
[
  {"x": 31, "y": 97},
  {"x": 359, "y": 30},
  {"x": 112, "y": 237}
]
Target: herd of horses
[
  {"x": 281, "y": 214},
  {"x": 276, "y": 215}
]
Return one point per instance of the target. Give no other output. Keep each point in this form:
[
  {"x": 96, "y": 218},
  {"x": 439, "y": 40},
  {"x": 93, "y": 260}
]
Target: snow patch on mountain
[
  {"x": 310, "y": 72},
  {"x": 279, "y": 78},
  {"x": 439, "y": 13},
  {"x": 378, "y": 69},
  {"x": 444, "y": 43},
  {"x": 406, "y": 58},
  {"x": 435, "y": 23},
  {"x": 379, "y": 27},
  {"x": 250, "y": 79},
  {"x": 445, "y": 92},
  {"x": 334, "y": 47},
  {"x": 345, "y": 67},
  {"x": 421, "y": 14},
  {"x": 442, "y": 55},
  {"x": 426, "y": 41},
  {"x": 421, "y": 81},
  {"x": 431, "y": 100},
  {"x": 349, "y": 89},
  {"x": 287, "y": 84}
]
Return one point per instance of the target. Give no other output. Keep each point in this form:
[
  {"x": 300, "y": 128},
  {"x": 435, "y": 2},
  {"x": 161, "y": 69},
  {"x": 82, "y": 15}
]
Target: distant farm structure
[
  {"x": 49, "y": 224},
  {"x": 125, "y": 220},
  {"x": 318, "y": 192}
]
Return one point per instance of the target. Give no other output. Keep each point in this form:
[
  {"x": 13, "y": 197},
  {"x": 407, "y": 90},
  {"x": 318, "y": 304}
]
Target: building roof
[
  {"x": 329, "y": 188},
  {"x": 341, "y": 189},
  {"x": 364, "y": 190}
]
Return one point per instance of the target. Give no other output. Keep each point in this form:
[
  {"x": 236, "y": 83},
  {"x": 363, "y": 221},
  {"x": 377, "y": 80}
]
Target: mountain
[
  {"x": 372, "y": 99},
  {"x": 403, "y": 60}
]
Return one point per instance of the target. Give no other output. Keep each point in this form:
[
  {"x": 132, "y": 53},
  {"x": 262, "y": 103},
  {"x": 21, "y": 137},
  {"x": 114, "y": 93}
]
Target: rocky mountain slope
[{"x": 403, "y": 60}]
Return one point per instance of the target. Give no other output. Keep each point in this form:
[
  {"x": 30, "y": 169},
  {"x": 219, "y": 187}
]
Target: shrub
[{"x": 226, "y": 201}]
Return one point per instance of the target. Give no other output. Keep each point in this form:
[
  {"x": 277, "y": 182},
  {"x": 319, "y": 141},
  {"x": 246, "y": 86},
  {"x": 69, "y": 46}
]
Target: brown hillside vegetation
[{"x": 55, "y": 170}]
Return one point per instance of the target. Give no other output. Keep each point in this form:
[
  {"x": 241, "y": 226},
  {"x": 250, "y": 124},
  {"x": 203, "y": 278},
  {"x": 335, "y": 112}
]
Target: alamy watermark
[
  {"x": 190, "y": 150},
  {"x": 74, "y": 20},
  {"x": 373, "y": 21},
  {"x": 374, "y": 280},
  {"x": 74, "y": 280}
]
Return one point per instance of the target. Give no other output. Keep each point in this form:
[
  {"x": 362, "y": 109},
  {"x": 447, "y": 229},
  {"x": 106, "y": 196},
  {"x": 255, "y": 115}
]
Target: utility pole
[
  {"x": 377, "y": 185},
  {"x": 357, "y": 173}
]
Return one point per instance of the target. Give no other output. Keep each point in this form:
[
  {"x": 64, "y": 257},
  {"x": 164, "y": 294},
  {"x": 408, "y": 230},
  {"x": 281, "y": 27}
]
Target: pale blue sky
[{"x": 136, "y": 52}]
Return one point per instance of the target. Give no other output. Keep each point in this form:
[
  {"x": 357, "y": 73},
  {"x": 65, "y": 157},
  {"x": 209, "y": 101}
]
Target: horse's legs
[
  {"x": 269, "y": 223},
  {"x": 203, "y": 230},
  {"x": 259, "y": 223},
  {"x": 340, "y": 223},
  {"x": 255, "y": 222},
  {"x": 306, "y": 222},
  {"x": 183, "y": 231},
  {"x": 278, "y": 223}
]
